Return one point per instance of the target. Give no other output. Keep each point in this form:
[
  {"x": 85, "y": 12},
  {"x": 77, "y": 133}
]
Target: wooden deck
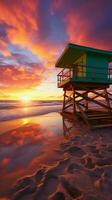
[{"x": 67, "y": 76}]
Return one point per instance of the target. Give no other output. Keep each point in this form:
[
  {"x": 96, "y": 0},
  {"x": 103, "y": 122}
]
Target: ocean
[{"x": 11, "y": 109}]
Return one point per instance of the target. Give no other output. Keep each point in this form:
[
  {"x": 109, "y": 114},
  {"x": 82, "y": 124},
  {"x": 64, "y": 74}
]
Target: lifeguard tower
[{"x": 85, "y": 79}]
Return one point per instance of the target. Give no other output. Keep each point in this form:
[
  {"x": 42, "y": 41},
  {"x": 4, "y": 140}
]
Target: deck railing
[
  {"x": 110, "y": 73},
  {"x": 64, "y": 75},
  {"x": 82, "y": 72}
]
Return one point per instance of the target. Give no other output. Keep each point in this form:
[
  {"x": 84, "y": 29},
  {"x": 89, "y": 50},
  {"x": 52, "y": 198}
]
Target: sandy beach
[{"x": 46, "y": 159}]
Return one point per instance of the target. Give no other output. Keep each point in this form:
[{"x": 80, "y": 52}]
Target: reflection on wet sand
[
  {"x": 72, "y": 126},
  {"x": 31, "y": 143},
  {"x": 22, "y": 149},
  {"x": 78, "y": 168},
  {"x": 67, "y": 126},
  {"x": 75, "y": 126},
  {"x": 36, "y": 150},
  {"x": 25, "y": 121}
]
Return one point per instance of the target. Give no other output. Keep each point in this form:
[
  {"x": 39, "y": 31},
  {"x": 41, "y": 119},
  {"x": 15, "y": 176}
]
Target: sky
[{"x": 33, "y": 34}]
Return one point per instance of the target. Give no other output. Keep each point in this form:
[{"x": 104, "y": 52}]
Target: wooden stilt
[
  {"x": 108, "y": 101},
  {"x": 74, "y": 105},
  {"x": 64, "y": 101},
  {"x": 86, "y": 103},
  {"x": 79, "y": 103}
]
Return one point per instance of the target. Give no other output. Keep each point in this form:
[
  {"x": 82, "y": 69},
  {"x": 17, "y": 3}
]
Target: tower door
[{"x": 80, "y": 67}]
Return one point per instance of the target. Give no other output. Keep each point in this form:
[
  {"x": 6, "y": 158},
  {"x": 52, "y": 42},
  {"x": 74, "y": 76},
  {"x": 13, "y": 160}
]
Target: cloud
[
  {"x": 33, "y": 34},
  {"x": 26, "y": 33},
  {"x": 34, "y": 26},
  {"x": 87, "y": 22},
  {"x": 21, "y": 77}
]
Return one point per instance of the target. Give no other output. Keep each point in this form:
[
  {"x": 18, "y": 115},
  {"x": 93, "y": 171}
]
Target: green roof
[{"x": 73, "y": 51}]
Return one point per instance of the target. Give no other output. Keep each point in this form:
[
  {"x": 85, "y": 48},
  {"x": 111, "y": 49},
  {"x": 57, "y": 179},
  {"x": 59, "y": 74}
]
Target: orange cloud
[
  {"x": 19, "y": 20},
  {"x": 25, "y": 28},
  {"x": 43, "y": 28},
  {"x": 19, "y": 77}
]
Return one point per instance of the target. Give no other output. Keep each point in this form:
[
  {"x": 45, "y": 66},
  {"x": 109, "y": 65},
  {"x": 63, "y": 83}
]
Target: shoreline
[{"x": 26, "y": 112}]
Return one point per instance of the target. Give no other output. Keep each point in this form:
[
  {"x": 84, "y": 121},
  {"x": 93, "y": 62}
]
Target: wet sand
[{"x": 39, "y": 162}]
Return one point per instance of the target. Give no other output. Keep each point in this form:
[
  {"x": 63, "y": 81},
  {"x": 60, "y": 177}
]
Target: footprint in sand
[
  {"x": 75, "y": 151},
  {"x": 74, "y": 167},
  {"x": 71, "y": 190},
  {"x": 58, "y": 196},
  {"x": 88, "y": 162}
]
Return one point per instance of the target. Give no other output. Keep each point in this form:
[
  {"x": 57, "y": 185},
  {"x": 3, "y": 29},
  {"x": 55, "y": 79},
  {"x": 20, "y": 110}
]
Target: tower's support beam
[{"x": 81, "y": 102}]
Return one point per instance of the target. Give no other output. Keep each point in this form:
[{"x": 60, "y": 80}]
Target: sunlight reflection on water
[
  {"x": 26, "y": 141},
  {"x": 25, "y": 121}
]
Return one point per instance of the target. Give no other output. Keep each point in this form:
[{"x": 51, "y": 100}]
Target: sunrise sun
[{"x": 25, "y": 99}]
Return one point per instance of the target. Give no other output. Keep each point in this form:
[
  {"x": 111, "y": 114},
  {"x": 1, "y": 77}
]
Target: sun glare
[{"x": 25, "y": 99}]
